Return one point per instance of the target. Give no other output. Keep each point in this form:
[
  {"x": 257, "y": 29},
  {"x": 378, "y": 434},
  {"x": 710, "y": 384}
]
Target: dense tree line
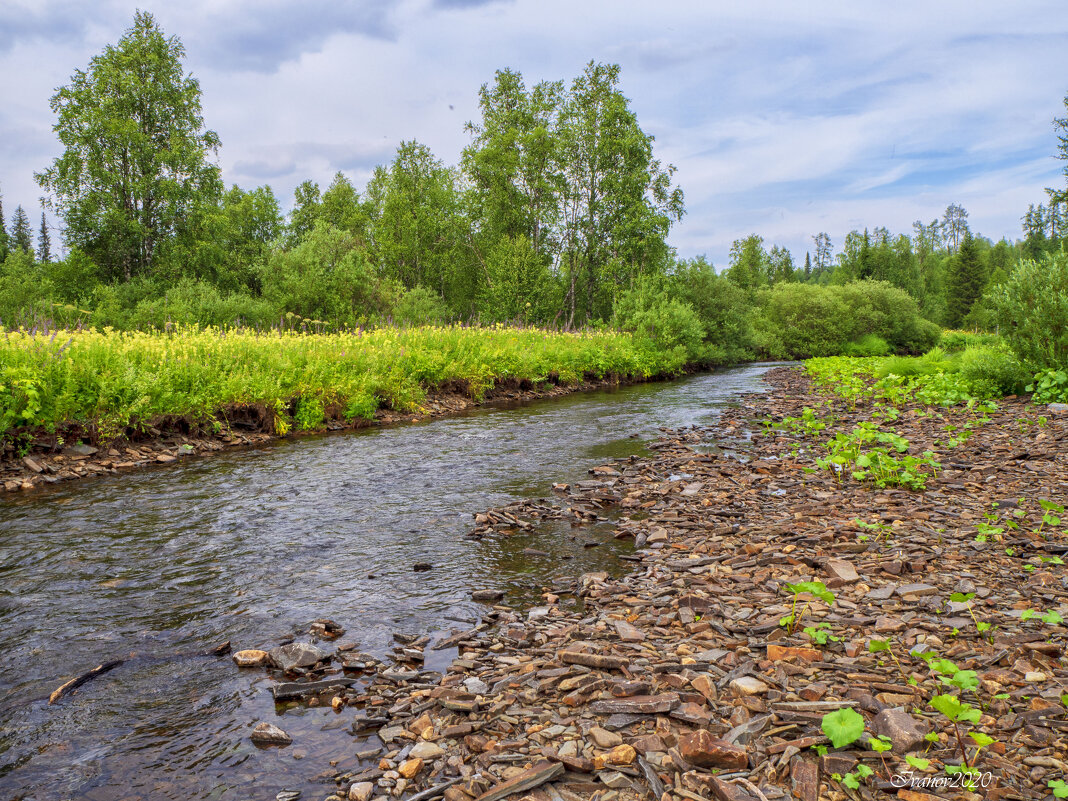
[{"x": 557, "y": 214}]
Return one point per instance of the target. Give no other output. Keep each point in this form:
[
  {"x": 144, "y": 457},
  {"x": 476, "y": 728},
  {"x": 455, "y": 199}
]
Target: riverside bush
[
  {"x": 105, "y": 381},
  {"x": 993, "y": 371},
  {"x": 807, "y": 320},
  {"x": 695, "y": 313},
  {"x": 1032, "y": 311}
]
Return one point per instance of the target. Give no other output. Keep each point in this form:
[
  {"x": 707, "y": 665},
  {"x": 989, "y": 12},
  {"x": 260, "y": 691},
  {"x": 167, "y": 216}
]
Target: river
[{"x": 251, "y": 546}]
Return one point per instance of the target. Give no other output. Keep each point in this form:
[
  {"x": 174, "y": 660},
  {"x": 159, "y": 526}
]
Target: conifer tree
[
  {"x": 44, "y": 242},
  {"x": 965, "y": 281},
  {"x": 21, "y": 234}
]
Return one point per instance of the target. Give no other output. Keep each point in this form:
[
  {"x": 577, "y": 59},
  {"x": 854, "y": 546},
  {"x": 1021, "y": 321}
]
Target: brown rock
[
  {"x": 804, "y": 779},
  {"x": 700, "y": 748},
  {"x": 638, "y": 705},
  {"x": 622, "y": 755},
  {"x": 268, "y": 734},
  {"x": 528, "y": 780},
  {"x": 410, "y": 767},
  {"x": 898, "y": 725},
  {"x": 780, "y": 653},
  {"x": 842, "y": 570},
  {"x": 604, "y": 738},
  {"x": 627, "y": 632},
  {"x": 704, "y": 685},
  {"x": 592, "y": 660}
]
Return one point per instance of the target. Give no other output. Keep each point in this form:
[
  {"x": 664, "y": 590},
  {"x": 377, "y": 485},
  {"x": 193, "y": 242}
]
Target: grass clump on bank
[
  {"x": 978, "y": 372},
  {"x": 108, "y": 382}
]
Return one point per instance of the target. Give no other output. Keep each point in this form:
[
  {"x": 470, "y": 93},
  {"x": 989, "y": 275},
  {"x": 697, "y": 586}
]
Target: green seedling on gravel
[
  {"x": 966, "y": 598},
  {"x": 1051, "y": 560},
  {"x": 820, "y": 633},
  {"x": 986, "y": 531},
  {"x": 957, "y": 712},
  {"x": 880, "y": 744},
  {"x": 843, "y": 726},
  {"x": 1050, "y": 510},
  {"x": 1051, "y": 616},
  {"x": 852, "y": 779},
  {"x": 1059, "y": 788},
  {"x": 815, "y": 588},
  {"x": 882, "y": 529},
  {"x": 876, "y": 646},
  {"x": 972, "y": 774},
  {"x": 918, "y": 762}
]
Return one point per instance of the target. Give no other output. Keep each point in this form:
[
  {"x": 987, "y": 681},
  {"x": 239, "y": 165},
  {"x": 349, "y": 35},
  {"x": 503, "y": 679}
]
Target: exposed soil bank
[
  {"x": 679, "y": 682},
  {"x": 170, "y": 439}
]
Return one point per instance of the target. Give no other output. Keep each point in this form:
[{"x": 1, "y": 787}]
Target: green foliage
[
  {"x": 993, "y": 371},
  {"x": 817, "y": 589},
  {"x": 721, "y": 306},
  {"x": 1032, "y": 311},
  {"x": 24, "y": 289},
  {"x": 327, "y": 277},
  {"x": 867, "y": 345},
  {"x": 965, "y": 281},
  {"x": 804, "y": 320},
  {"x": 518, "y": 286},
  {"x": 843, "y": 726},
  {"x": 1049, "y": 386},
  {"x": 135, "y": 160},
  {"x": 858, "y": 453},
  {"x": 956, "y": 710},
  {"x": 107, "y": 380},
  {"x": 956, "y": 341},
  {"x": 420, "y": 306}
]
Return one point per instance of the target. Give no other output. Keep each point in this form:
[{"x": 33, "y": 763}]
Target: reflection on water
[{"x": 159, "y": 566}]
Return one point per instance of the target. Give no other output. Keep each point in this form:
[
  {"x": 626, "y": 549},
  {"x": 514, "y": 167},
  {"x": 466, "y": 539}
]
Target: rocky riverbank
[
  {"x": 166, "y": 441},
  {"x": 683, "y": 681}
]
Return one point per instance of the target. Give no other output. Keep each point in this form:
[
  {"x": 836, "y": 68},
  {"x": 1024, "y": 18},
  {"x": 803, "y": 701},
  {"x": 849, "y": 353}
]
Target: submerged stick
[
  {"x": 62, "y": 690},
  {"x": 99, "y": 670}
]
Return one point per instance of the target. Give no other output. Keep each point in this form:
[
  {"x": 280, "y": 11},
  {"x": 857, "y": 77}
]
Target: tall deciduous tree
[
  {"x": 749, "y": 264},
  {"x": 137, "y": 157},
  {"x": 824, "y": 252},
  {"x": 954, "y": 226},
  {"x": 618, "y": 200},
  {"x": 416, "y": 222},
  {"x": 513, "y": 164}
]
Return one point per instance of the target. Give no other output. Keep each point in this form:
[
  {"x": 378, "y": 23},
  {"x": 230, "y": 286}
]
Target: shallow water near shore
[{"x": 157, "y": 566}]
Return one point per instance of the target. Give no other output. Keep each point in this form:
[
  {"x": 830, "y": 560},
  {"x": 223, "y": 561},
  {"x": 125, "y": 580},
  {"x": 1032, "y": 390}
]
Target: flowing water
[{"x": 158, "y": 566}]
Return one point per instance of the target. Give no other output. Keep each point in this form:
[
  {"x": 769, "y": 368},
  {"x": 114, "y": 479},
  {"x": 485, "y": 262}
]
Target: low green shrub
[
  {"x": 807, "y": 320},
  {"x": 1049, "y": 386},
  {"x": 1032, "y": 311},
  {"x": 993, "y": 371},
  {"x": 956, "y": 341},
  {"x": 867, "y": 345}
]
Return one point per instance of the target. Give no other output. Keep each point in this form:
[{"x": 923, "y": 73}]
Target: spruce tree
[
  {"x": 5, "y": 240},
  {"x": 21, "y": 234},
  {"x": 964, "y": 282},
  {"x": 44, "y": 242}
]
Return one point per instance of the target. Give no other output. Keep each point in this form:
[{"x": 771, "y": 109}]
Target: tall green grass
[{"x": 108, "y": 380}]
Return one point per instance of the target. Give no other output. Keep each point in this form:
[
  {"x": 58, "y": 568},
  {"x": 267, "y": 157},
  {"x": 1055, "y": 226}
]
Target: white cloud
[{"x": 783, "y": 118}]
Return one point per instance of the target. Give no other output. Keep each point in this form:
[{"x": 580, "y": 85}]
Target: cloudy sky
[{"x": 783, "y": 118}]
